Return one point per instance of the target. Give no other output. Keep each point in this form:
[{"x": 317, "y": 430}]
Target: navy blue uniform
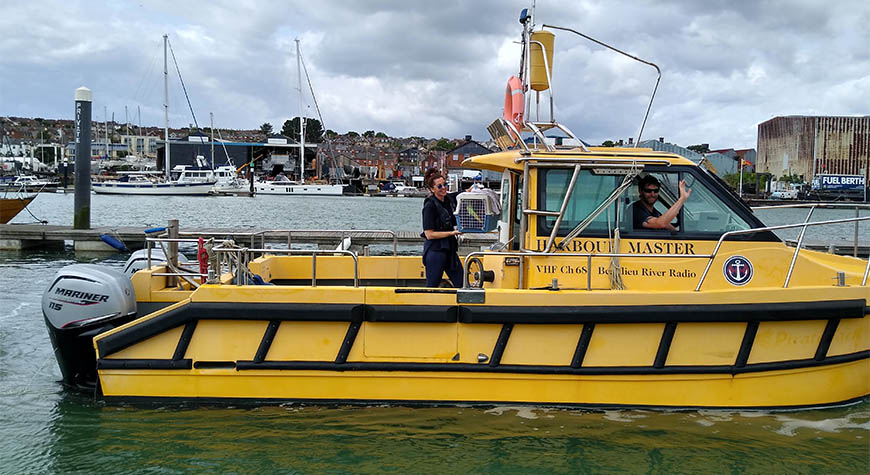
[{"x": 439, "y": 255}]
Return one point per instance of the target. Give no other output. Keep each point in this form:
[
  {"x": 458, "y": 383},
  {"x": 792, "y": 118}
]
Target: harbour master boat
[{"x": 574, "y": 307}]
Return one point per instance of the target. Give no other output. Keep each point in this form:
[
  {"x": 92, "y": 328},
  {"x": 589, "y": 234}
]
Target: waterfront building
[
  {"x": 812, "y": 145},
  {"x": 723, "y": 161},
  {"x": 141, "y": 145}
]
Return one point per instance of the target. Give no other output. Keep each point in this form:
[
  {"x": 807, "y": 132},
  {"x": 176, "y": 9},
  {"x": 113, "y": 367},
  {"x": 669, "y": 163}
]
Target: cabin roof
[{"x": 513, "y": 159}]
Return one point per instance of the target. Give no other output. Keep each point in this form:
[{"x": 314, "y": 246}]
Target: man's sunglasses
[
  {"x": 650, "y": 190},
  {"x": 440, "y": 186}
]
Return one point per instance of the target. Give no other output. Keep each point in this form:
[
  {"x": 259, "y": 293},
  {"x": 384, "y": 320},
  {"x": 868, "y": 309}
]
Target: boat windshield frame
[{"x": 630, "y": 170}]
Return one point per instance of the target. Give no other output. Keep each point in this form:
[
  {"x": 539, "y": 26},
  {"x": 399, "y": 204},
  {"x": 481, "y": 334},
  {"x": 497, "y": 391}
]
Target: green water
[{"x": 45, "y": 429}]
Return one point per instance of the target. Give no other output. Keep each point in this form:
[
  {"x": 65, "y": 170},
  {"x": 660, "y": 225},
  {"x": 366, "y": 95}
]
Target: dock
[
  {"x": 842, "y": 248},
  {"x": 35, "y": 236}
]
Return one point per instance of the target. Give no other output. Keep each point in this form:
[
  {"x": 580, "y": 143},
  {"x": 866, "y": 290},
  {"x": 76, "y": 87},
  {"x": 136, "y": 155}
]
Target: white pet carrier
[{"x": 476, "y": 211}]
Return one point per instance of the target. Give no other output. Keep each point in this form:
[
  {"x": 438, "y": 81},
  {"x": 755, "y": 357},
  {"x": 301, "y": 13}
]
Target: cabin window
[
  {"x": 506, "y": 198},
  {"x": 589, "y": 192},
  {"x": 704, "y": 212}
]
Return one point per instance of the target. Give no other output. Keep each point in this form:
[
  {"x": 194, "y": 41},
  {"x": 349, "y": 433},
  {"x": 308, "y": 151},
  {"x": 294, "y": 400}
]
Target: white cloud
[{"x": 439, "y": 68}]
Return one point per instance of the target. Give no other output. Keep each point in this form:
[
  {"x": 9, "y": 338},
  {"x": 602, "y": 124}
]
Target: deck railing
[
  {"x": 711, "y": 257},
  {"x": 255, "y": 238},
  {"x": 814, "y": 206}
]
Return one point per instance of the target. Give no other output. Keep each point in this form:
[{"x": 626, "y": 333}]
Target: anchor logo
[{"x": 737, "y": 270}]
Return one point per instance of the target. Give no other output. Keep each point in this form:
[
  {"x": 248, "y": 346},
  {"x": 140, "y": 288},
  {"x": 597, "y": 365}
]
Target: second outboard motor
[
  {"x": 83, "y": 301},
  {"x": 139, "y": 260}
]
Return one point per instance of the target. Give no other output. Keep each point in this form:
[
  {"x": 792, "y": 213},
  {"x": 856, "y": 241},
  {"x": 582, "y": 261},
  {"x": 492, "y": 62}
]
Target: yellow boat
[{"x": 574, "y": 307}]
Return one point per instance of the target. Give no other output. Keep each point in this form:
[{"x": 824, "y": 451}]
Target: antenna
[{"x": 658, "y": 71}]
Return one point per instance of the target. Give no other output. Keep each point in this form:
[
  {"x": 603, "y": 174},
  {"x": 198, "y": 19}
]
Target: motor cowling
[
  {"x": 139, "y": 260},
  {"x": 83, "y": 301}
]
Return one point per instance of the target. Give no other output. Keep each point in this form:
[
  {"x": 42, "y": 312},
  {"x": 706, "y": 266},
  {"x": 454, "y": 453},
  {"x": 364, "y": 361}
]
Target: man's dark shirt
[{"x": 640, "y": 214}]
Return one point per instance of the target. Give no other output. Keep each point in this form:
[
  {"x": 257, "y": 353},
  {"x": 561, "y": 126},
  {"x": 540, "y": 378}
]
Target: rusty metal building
[{"x": 812, "y": 145}]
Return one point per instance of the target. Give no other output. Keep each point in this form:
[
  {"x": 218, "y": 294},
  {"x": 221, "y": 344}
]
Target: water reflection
[
  {"x": 91, "y": 436},
  {"x": 47, "y": 429}
]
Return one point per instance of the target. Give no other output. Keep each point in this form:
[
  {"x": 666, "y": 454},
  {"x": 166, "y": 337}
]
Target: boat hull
[
  {"x": 286, "y": 189},
  {"x": 197, "y": 189},
  {"x": 10, "y": 207},
  {"x": 776, "y": 348},
  {"x": 806, "y": 387}
]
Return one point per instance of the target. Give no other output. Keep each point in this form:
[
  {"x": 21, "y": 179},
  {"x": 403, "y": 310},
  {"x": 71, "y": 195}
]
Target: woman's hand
[{"x": 432, "y": 234}]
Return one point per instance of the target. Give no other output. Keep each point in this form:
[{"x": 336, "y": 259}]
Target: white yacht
[
  {"x": 282, "y": 185},
  {"x": 225, "y": 178},
  {"x": 29, "y": 184},
  {"x": 147, "y": 184}
]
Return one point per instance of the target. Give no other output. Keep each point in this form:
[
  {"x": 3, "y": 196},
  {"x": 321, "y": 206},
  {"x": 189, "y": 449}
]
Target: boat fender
[
  {"x": 514, "y": 102},
  {"x": 155, "y": 230},
  {"x": 110, "y": 240},
  {"x": 257, "y": 280},
  {"x": 202, "y": 257}
]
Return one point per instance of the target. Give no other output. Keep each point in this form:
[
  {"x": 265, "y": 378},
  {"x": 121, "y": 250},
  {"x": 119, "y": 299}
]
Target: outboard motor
[
  {"x": 83, "y": 301},
  {"x": 139, "y": 260}
]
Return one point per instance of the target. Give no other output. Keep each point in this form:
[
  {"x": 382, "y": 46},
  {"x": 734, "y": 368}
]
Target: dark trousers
[{"x": 438, "y": 262}]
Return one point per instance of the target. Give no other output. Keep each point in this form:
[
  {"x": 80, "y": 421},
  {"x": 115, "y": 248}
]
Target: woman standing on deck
[{"x": 440, "y": 245}]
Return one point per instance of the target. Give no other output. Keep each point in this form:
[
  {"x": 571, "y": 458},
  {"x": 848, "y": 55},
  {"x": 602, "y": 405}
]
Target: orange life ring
[{"x": 514, "y": 102}]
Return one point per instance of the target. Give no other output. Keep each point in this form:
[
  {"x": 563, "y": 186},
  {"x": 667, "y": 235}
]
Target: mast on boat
[
  {"x": 166, "y": 107},
  {"x": 301, "y": 118},
  {"x": 211, "y": 117}
]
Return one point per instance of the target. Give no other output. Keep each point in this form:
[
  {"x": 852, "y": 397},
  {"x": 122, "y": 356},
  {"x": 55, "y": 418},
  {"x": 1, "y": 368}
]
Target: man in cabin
[{"x": 645, "y": 216}]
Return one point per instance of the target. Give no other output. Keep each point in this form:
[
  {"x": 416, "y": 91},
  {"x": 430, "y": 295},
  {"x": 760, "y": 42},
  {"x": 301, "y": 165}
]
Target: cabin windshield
[
  {"x": 705, "y": 214},
  {"x": 589, "y": 192}
]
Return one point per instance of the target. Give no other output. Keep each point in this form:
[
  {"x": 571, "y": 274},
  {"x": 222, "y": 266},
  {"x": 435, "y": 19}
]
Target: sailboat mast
[
  {"x": 166, "y": 107},
  {"x": 301, "y": 118},
  {"x": 211, "y": 116},
  {"x": 106, "y": 129}
]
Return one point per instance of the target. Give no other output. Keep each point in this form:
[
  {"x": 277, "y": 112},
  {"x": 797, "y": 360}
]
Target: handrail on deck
[
  {"x": 858, "y": 207},
  {"x": 262, "y": 234},
  {"x": 712, "y": 256},
  {"x": 247, "y": 253},
  {"x": 803, "y": 227},
  {"x": 238, "y": 258},
  {"x": 587, "y": 255}
]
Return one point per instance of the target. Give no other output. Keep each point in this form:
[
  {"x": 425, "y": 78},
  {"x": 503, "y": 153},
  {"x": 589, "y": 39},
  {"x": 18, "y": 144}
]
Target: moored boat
[
  {"x": 580, "y": 304},
  {"x": 146, "y": 184},
  {"x": 29, "y": 184},
  {"x": 10, "y": 206},
  {"x": 281, "y": 185}
]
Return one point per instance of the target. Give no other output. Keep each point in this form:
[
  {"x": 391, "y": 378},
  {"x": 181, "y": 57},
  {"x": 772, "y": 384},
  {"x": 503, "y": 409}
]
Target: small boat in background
[
  {"x": 29, "y": 184},
  {"x": 281, "y": 185},
  {"x": 141, "y": 183}
]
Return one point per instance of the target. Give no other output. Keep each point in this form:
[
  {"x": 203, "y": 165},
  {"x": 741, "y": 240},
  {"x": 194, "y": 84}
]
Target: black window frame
[{"x": 714, "y": 184}]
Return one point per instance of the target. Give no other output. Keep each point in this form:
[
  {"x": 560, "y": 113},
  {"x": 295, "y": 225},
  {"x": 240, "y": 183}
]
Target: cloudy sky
[{"x": 439, "y": 68}]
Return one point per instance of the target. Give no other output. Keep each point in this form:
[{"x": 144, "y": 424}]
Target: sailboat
[
  {"x": 282, "y": 185},
  {"x": 10, "y": 206},
  {"x": 141, "y": 184}
]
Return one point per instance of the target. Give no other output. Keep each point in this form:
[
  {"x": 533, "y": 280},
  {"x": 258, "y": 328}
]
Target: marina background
[{"x": 46, "y": 429}]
